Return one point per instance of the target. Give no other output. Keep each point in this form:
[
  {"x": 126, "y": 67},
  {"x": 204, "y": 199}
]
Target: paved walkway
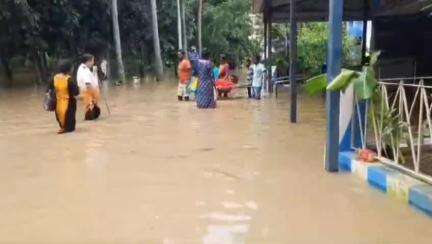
[{"x": 158, "y": 171}]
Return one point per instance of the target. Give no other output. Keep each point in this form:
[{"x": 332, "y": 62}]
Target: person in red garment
[{"x": 225, "y": 84}]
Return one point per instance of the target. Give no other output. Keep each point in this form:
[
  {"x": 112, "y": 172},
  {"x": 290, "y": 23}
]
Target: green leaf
[
  {"x": 365, "y": 84},
  {"x": 316, "y": 84},
  {"x": 374, "y": 58},
  {"x": 428, "y": 6},
  {"x": 342, "y": 81},
  {"x": 370, "y": 75}
]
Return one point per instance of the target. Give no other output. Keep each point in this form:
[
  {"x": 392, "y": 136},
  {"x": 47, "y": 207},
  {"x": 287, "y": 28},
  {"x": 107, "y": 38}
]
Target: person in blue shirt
[{"x": 216, "y": 73}]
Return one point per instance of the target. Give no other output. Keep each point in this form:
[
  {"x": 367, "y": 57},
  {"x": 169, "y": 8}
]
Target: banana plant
[
  {"x": 428, "y": 5},
  {"x": 386, "y": 122},
  {"x": 364, "y": 81}
]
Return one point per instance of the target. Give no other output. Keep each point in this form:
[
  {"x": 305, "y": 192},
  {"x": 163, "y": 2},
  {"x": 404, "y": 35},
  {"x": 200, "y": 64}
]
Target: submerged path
[{"x": 162, "y": 172}]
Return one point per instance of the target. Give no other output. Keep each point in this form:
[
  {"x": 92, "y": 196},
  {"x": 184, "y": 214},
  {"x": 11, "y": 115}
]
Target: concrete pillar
[
  {"x": 293, "y": 61},
  {"x": 334, "y": 67}
]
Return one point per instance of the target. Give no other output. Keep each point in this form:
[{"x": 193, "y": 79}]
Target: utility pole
[
  {"x": 184, "y": 31},
  {"x": 117, "y": 40},
  {"x": 200, "y": 9},
  {"x": 179, "y": 26},
  {"x": 156, "y": 42}
]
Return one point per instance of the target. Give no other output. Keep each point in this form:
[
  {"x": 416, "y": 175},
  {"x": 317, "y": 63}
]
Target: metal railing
[
  {"x": 283, "y": 81},
  {"x": 279, "y": 81},
  {"x": 397, "y": 123}
]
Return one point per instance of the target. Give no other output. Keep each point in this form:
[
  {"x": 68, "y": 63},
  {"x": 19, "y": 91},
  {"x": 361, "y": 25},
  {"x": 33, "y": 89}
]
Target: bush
[{"x": 312, "y": 48}]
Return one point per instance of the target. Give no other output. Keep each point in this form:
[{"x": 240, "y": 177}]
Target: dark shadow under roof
[{"x": 317, "y": 10}]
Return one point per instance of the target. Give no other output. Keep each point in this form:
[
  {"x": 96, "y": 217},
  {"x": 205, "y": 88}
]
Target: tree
[
  {"x": 20, "y": 34},
  {"x": 117, "y": 41},
  {"x": 312, "y": 47},
  {"x": 179, "y": 25},
  {"x": 200, "y": 9},
  {"x": 228, "y": 28},
  {"x": 156, "y": 42},
  {"x": 184, "y": 30},
  {"x": 35, "y": 34}
]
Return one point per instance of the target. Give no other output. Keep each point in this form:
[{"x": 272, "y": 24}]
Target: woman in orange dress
[
  {"x": 224, "y": 68},
  {"x": 65, "y": 90}
]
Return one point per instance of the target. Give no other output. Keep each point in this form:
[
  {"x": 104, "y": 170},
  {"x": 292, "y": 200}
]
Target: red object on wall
[{"x": 367, "y": 155}]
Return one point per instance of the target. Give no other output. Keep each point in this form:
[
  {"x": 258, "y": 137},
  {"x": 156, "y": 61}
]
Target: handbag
[{"x": 50, "y": 101}]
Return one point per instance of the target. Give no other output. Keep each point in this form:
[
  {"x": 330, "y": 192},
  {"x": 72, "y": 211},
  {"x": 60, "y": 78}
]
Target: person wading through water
[
  {"x": 185, "y": 75},
  {"x": 205, "y": 97},
  {"x": 89, "y": 87},
  {"x": 65, "y": 92}
]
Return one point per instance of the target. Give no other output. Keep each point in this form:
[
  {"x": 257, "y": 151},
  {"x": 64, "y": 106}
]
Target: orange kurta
[
  {"x": 61, "y": 85},
  {"x": 185, "y": 71}
]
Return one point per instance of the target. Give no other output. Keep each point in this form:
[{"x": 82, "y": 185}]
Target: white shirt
[
  {"x": 258, "y": 75},
  {"x": 85, "y": 76}
]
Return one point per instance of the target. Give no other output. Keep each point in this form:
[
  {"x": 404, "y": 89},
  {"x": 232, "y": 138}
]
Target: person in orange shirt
[{"x": 185, "y": 75}]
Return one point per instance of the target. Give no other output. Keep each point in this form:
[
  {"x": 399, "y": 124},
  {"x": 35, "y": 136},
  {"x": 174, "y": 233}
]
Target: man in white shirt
[
  {"x": 89, "y": 87},
  {"x": 85, "y": 77},
  {"x": 258, "y": 78}
]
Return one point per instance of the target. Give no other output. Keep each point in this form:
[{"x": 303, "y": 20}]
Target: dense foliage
[
  {"x": 228, "y": 28},
  {"x": 35, "y": 33},
  {"x": 312, "y": 47}
]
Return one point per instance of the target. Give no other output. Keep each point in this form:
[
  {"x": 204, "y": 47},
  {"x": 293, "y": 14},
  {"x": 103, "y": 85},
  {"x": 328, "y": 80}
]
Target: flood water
[{"x": 157, "y": 171}]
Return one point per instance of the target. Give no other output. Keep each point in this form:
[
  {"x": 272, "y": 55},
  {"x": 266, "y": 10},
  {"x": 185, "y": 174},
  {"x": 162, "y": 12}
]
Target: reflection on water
[
  {"x": 226, "y": 217},
  {"x": 226, "y": 234},
  {"x": 160, "y": 171}
]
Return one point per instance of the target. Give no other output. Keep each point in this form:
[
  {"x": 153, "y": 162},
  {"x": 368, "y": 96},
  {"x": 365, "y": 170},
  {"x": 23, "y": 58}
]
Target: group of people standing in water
[
  {"x": 64, "y": 91},
  {"x": 199, "y": 77},
  {"x": 196, "y": 78}
]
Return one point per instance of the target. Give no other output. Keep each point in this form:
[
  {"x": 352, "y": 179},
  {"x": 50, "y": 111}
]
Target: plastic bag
[
  {"x": 50, "y": 101},
  {"x": 193, "y": 86}
]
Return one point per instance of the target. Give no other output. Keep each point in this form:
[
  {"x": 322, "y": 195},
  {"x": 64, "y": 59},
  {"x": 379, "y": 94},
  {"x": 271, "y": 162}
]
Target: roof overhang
[{"x": 317, "y": 10}]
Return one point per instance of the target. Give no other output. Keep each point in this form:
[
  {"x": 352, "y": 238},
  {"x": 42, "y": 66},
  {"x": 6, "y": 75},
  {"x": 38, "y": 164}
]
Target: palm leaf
[
  {"x": 374, "y": 58},
  {"x": 342, "y": 81},
  {"x": 365, "y": 84},
  {"x": 316, "y": 84}
]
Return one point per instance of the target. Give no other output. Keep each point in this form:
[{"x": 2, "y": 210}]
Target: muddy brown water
[{"x": 160, "y": 171}]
